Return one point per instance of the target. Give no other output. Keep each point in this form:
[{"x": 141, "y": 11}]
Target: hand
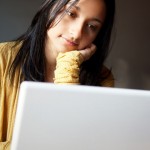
[{"x": 88, "y": 52}]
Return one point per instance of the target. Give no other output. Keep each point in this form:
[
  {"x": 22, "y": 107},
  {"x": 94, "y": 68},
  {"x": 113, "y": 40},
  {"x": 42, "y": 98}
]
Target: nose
[{"x": 76, "y": 30}]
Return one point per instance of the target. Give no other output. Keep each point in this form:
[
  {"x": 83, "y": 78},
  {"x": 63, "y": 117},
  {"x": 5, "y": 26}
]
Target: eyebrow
[
  {"x": 72, "y": 5},
  {"x": 98, "y": 20},
  {"x": 78, "y": 8}
]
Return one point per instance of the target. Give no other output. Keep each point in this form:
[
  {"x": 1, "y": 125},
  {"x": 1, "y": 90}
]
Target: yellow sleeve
[
  {"x": 8, "y": 94},
  {"x": 3, "y": 65},
  {"x": 2, "y": 62},
  {"x": 67, "y": 68},
  {"x": 108, "y": 78}
]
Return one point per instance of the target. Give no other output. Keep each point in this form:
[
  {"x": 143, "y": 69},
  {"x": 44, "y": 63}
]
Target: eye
[
  {"x": 71, "y": 14},
  {"x": 92, "y": 27}
]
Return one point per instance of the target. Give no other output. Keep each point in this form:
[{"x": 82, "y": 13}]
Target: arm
[
  {"x": 67, "y": 68},
  {"x": 68, "y": 65}
]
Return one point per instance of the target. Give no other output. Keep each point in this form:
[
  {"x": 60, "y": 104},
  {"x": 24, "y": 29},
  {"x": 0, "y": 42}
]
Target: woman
[{"x": 66, "y": 43}]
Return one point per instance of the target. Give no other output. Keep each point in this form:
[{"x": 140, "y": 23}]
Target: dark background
[{"x": 129, "y": 57}]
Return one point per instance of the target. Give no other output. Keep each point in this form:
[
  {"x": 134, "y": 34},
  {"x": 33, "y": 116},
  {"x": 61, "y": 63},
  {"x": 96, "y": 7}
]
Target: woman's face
[{"x": 78, "y": 28}]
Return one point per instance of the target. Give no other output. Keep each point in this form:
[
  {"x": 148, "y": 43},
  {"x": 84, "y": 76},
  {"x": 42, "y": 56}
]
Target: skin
[{"x": 75, "y": 31}]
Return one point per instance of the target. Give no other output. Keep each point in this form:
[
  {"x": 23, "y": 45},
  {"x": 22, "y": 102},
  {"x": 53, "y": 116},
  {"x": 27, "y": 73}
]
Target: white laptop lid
[{"x": 73, "y": 117}]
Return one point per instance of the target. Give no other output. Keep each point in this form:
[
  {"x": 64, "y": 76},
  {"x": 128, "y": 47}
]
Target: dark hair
[{"x": 31, "y": 57}]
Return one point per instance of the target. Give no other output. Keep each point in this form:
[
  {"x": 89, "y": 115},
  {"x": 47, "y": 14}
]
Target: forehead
[{"x": 94, "y": 8}]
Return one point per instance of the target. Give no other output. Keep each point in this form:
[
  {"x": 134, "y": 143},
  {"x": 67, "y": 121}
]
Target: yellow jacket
[{"x": 9, "y": 93}]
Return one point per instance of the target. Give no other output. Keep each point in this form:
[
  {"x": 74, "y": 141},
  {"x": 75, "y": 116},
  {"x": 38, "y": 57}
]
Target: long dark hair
[{"x": 31, "y": 57}]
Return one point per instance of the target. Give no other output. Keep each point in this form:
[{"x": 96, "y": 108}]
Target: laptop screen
[{"x": 75, "y": 117}]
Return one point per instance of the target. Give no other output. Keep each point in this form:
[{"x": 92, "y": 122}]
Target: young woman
[{"x": 66, "y": 43}]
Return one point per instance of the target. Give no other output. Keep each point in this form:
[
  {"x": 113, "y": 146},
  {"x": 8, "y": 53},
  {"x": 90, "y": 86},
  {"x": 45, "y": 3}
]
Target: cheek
[
  {"x": 85, "y": 42},
  {"x": 56, "y": 30},
  {"x": 50, "y": 33},
  {"x": 88, "y": 39}
]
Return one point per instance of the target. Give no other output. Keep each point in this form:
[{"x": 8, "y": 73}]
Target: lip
[{"x": 70, "y": 42}]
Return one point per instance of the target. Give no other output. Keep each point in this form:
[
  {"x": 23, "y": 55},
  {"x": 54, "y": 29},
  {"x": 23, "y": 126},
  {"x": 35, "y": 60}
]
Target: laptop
[{"x": 77, "y": 117}]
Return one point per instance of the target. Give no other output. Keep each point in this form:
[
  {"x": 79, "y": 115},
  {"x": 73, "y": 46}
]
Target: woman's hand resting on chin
[{"x": 88, "y": 52}]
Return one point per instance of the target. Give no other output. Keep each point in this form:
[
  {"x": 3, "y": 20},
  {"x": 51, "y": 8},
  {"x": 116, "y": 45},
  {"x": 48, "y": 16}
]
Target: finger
[{"x": 88, "y": 52}]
